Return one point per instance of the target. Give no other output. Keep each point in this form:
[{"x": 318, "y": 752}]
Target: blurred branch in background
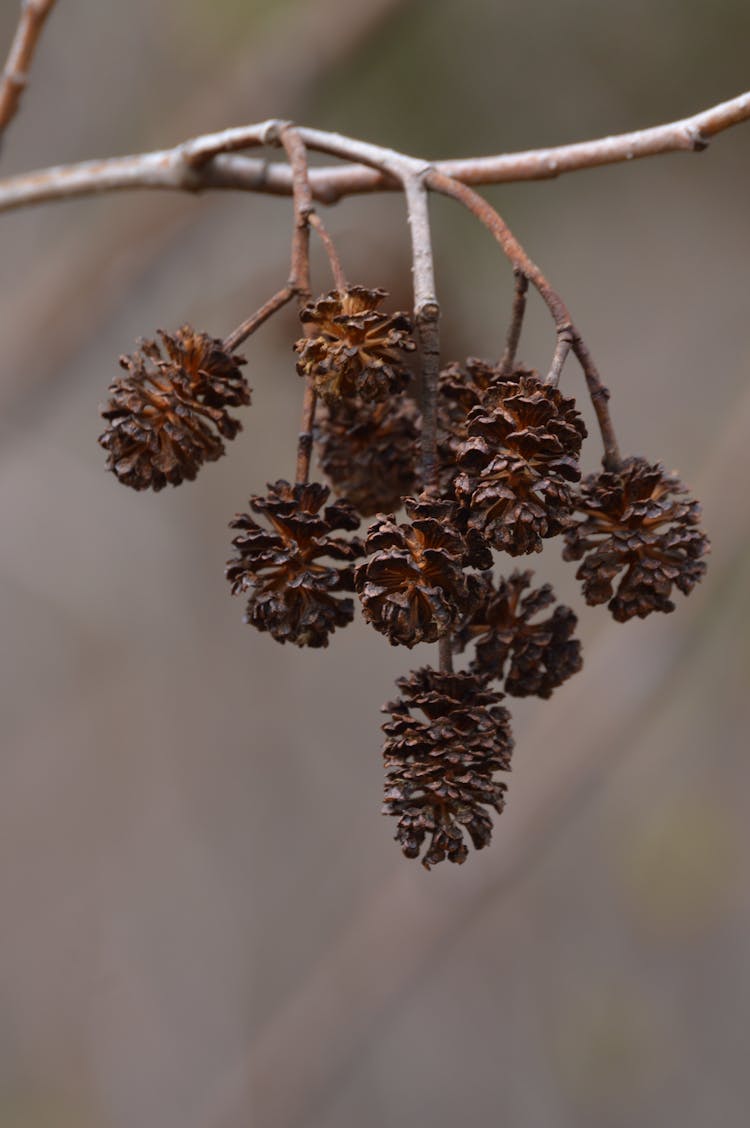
[{"x": 15, "y": 76}]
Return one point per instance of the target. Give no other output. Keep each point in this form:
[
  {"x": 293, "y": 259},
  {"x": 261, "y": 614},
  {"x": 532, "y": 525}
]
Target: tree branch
[
  {"x": 15, "y": 76},
  {"x": 183, "y": 168}
]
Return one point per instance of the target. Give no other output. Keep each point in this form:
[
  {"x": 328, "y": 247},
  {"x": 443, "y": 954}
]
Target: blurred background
[{"x": 205, "y": 921}]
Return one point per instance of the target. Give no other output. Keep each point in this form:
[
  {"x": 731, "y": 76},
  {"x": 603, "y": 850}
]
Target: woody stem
[
  {"x": 427, "y": 321},
  {"x": 516, "y": 323},
  {"x": 337, "y": 270},
  {"x": 268, "y": 309},
  {"x": 300, "y": 280}
]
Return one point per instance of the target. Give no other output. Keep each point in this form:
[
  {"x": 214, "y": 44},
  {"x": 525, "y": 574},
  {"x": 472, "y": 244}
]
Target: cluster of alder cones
[{"x": 508, "y": 478}]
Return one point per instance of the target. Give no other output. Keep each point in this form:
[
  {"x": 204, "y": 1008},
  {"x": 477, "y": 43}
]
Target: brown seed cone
[
  {"x": 460, "y": 388},
  {"x": 539, "y": 656},
  {"x": 636, "y": 521},
  {"x": 356, "y": 348},
  {"x": 439, "y": 770},
  {"x": 412, "y": 586},
  {"x": 293, "y": 594},
  {"x": 517, "y": 463},
  {"x": 370, "y": 451},
  {"x": 166, "y": 415}
]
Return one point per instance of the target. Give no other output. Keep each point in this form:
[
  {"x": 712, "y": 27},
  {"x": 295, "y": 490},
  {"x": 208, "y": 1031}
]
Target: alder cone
[
  {"x": 518, "y": 462},
  {"x": 412, "y": 585},
  {"x": 532, "y": 658},
  {"x": 370, "y": 451},
  {"x": 293, "y": 592},
  {"x": 354, "y": 349},
  {"x": 460, "y": 388},
  {"x": 168, "y": 415},
  {"x": 636, "y": 521},
  {"x": 440, "y": 766}
]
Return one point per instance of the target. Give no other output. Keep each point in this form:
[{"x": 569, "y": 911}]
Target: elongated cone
[{"x": 440, "y": 766}]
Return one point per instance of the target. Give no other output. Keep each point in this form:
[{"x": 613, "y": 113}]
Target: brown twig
[
  {"x": 15, "y": 75},
  {"x": 337, "y": 270},
  {"x": 295, "y": 150},
  {"x": 494, "y": 223},
  {"x": 170, "y": 168},
  {"x": 248, "y": 327},
  {"x": 516, "y": 323}
]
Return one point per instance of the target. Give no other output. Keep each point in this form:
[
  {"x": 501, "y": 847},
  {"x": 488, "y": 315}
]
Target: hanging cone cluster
[
  {"x": 636, "y": 523},
  {"x": 168, "y": 415},
  {"x": 353, "y": 347},
  {"x": 369, "y": 452},
  {"x": 440, "y": 766},
  {"x": 532, "y": 658},
  {"x": 293, "y": 594},
  {"x": 507, "y": 478},
  {"x": 518, "y": 462},
  {"x": 412, "y": 586}
]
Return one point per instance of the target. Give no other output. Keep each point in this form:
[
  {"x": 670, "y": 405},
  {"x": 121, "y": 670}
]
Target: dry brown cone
[
  {"x": 293, "y": 591},
  {"x": 440, "y": 766},
  {"x": 354, "y": 348},
  {"x": 168, "y": 415},
  {"x": 533, "y": 658},
  {"x": 518, "y": 462},
  {"x": 636, "y": 524},
  {"x": 370, "y": 451},
  {"x": 412, "y": 586},
  {"x": 460, "y": 388}
]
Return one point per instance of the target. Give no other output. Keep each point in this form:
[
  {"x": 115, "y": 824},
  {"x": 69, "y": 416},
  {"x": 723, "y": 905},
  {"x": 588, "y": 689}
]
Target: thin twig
[
  {"x": 494, "y": 223},
  {"x": 300, "y": 280},
  {"x": 564, "y": 343},
  {"x": 169, "y": 169},
  {"x": 516, "y": 323},
  {"x": 15, "y": 75},
  {"x": 337, "y": 270},
  {"x": 427, "y": 321},
  {"x": 599, "y": 396},
  {"x": 248, "y": 327}
]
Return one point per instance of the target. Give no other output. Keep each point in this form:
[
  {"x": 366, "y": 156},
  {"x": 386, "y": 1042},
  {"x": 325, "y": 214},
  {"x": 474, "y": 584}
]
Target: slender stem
[
  {"x": 248, "y": 327},
  {"x": 516, "y": 323},
  {"x": 487, "y": 215},
  {"x": 305, "y": 439},
  {"x": 563, "y": 347},
  {"x": 599, "y": 395},
  {"x": 445, "y": 646},
  {"x": 303, "y": 207},
  {"x": 15, "y": 75},
  {"x": 337, "y": 270},
  {"x": 300, "y": 280},
  {"x": 427, "y": 321},
  {"x": 185, "y": 167}
]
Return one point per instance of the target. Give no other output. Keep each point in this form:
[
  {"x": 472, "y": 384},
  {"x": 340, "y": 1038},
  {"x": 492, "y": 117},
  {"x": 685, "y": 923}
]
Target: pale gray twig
[{"x": 171, "y": 168}]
